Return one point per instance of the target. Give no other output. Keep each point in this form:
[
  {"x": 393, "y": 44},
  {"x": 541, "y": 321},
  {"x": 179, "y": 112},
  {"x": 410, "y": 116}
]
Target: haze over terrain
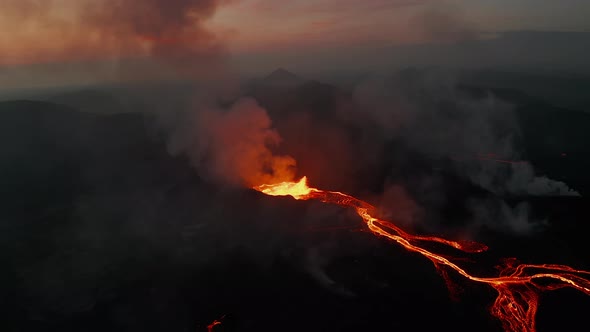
[{"x": 134, "y": 131}]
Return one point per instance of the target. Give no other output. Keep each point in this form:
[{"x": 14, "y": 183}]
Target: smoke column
[
  {"x": 228, "y": 139},
  {"x": 235, "y": 146}
]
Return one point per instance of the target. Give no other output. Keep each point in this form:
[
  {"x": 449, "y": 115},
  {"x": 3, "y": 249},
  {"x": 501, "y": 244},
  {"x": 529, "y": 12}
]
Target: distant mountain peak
[{"x": 282, "y": 75}]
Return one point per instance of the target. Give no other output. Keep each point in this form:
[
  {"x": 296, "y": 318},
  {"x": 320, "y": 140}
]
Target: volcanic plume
[{"x": 234, "y": 146}]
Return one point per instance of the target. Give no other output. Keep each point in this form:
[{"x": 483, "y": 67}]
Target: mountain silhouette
[{"x": 282, "y": 76}]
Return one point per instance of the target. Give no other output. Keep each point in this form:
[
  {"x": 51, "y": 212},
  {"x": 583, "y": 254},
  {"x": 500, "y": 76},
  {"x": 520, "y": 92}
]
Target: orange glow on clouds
[
  {"x": 55, "y": 31},
  {"x": 325, "y": 23},
  {"x": 66, "y": 30},
  {"x": 61, "y": 31}
]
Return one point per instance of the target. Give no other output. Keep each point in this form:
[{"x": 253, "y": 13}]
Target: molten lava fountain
[{"x": 517, "y": 286}]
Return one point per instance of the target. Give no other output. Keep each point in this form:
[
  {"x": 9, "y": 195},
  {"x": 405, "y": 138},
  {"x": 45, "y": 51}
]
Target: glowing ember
[{"x": 517, "y": 286}]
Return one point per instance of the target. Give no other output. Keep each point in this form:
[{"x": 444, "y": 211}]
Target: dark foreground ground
[{"x": 102, "y": 230}]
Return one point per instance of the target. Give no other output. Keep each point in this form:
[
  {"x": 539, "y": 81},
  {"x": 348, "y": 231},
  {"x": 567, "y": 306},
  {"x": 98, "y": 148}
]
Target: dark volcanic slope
[
  {"x": 555, "y": 138},
  {"x": 557, "y": 142},
  {"x": 102, "y": 230}
]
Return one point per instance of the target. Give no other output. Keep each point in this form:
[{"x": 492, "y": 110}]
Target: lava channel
[{"x": 517, "y": 284}]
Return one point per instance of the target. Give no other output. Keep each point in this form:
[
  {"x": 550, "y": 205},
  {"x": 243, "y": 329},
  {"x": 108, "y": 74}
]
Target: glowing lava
[
  {"x": 216, "y": 322},
  {"x": 299, "y": 190},
  {"x": 517, "y": 284}
]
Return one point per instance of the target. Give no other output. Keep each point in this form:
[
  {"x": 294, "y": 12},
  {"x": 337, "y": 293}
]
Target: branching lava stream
[{"x": 517, "y": 284}]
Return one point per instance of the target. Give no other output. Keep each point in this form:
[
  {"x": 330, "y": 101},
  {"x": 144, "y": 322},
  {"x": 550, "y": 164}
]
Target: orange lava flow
[
  {"x": 216, "y": 322},
  {"x": 517, "y": 284}
]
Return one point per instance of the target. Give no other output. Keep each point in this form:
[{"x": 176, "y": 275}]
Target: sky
[
  {"x": 40, "y": 32},
  {"x": 269, "y": 25}
]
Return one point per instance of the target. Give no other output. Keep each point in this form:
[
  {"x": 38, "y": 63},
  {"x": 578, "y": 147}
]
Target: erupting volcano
[{"x": 518, "y": 285}]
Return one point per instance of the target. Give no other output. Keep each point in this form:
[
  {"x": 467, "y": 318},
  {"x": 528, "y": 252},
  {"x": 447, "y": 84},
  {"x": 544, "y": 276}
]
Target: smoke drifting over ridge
[
  {"x": 153, "y": 32},
  {"x": 430, "y": 114},
  {"x": 155, "y": 39},
  {"x": 427, "y": 112},
  {"x": 234, "y": 144},
  {"x": 168, "y": 39}
]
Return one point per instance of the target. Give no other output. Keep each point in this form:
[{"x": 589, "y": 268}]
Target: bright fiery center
[{"x": 298, "y": 190}]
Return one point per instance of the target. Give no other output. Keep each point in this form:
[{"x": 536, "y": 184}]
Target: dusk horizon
[{"x": 260, "y": 165}]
